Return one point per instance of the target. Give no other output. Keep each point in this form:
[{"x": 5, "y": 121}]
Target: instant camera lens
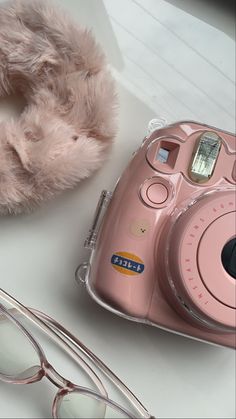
[
  {"x": 203, "y": 239},
  {"x": 228, "y": 257}
]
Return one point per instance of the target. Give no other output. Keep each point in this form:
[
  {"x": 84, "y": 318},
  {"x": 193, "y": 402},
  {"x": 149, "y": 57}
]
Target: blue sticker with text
[{"x": 127, "y": 263}]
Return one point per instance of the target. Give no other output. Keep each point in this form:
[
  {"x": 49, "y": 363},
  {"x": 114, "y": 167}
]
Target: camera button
[{"x": 157, "y": 193}]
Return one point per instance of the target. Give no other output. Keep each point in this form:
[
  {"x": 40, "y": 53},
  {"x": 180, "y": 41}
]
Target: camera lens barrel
[{"x": 200, "y": 273}]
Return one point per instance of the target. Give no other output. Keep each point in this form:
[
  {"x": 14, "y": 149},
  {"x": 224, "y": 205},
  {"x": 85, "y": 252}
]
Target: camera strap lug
[{"x": 104, "y": 200}]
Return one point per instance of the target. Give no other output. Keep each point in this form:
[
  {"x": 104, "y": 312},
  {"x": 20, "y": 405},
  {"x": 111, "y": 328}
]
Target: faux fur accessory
[{"x": 65, "y": 130}]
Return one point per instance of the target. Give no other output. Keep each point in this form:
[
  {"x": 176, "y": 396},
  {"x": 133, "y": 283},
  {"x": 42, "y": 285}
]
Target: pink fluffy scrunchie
[{"x": 65, "y": 130}]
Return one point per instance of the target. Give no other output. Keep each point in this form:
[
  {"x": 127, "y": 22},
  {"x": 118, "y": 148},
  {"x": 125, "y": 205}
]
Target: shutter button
[{"x": 156, "y": 192}]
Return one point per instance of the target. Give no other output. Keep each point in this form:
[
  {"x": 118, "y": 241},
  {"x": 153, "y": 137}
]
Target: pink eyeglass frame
[{"x": 58, "y": 333}]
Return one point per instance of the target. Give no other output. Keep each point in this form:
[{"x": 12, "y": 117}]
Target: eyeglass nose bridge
[{"x": 55, "y": 378}]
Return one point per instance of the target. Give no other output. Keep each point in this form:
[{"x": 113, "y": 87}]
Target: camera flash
[{"x": 205, "y": 157}]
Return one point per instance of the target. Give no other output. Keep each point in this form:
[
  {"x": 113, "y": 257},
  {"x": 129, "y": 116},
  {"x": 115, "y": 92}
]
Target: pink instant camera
[{"x": 165, "y": 252}]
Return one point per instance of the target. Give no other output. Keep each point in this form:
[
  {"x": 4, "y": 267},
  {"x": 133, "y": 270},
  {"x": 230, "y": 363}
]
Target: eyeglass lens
[
  {"x": 18, "y": 357},
  {"x": 87, "y": 406}
]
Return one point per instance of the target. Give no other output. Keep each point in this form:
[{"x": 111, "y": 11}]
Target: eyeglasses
[{"x": 22, "y": 361}]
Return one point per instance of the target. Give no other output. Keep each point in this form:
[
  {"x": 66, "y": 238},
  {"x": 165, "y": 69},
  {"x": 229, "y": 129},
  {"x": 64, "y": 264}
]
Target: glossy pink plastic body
[{"x": 158, "y": 253}]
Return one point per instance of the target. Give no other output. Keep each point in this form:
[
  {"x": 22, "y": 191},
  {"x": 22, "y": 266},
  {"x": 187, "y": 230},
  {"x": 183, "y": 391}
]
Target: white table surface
[{"x": 169, "y": 61}]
